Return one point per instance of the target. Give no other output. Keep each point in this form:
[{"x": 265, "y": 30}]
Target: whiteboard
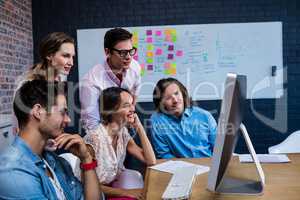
[{"x": 199, "y": 56}]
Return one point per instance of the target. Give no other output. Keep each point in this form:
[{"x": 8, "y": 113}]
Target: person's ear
[
  {"x": 107, "y": 52},
  {"x": 49, "y": 57},
  {"x": 37, "y": 111}
]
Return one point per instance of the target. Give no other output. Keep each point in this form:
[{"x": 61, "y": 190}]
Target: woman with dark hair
[
  {"x": 179, "y": 129},
  {"x": 110, "y": 141}
]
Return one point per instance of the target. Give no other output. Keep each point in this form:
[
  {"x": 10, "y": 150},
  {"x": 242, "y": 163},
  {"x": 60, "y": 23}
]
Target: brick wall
[
  {"x": 16, "y": 55},
  {"x": 70, "y": 15},
  {"x": 16, "y": 47}
]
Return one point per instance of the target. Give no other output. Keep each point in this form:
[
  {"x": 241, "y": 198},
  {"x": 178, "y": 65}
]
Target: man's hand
[{"x": 75, "y": 144}]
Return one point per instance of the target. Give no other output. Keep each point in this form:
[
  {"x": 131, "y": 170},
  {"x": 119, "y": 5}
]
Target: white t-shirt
[{"x": 58, "y": 189}]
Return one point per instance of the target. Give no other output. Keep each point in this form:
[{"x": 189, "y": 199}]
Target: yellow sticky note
[
  {"x": 173, "y": 32},
  {"x": 149, "y": 54},
  {"x": 168, "y": 32}
]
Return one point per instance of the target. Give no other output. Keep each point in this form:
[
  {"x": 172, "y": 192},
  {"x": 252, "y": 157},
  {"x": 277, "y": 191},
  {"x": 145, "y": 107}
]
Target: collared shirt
[
  {"x": 191, "y": 136},
  {"x": 110, "y": 161},
  {"x": 23, "y": 175},
  {"x": 95, "y": 81}
]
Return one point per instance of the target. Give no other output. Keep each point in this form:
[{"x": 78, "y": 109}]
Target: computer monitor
[{"x": 229, "y": 128}]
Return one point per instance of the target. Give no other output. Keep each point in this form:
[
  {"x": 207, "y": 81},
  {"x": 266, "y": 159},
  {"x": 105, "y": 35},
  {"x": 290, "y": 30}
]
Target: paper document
[
  {"x": 171, "y": 166},
  {"x": 265, "y": 158}
]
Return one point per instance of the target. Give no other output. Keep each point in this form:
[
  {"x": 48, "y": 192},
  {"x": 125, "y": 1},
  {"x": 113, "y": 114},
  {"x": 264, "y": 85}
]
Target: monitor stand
[{"x": 230, "y": 185}]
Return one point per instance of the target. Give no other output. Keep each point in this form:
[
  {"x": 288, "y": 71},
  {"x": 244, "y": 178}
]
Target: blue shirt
[
  {"x": 23, "y": 175},
  {"x": 190, "y": 136}
]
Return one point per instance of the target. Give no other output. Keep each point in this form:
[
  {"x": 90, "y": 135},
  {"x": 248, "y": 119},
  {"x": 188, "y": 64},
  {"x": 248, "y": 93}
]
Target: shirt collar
[
  {"x": 187, "y": 112},
  {"x": 111, "y": 75},
  {"x": 49, "y": 157},
  {"x": 21, "y": 144}
]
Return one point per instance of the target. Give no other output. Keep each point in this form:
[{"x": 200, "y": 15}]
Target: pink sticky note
[
  {"x": 158, "y": 51},
  {"x": 167, "y": 65},
  {"x": 149, "y": 32},
  {"x": 149, "y": 40},
  {"x": 170, "y": 56},
  {"x": 179, "y": 53},
  {"x": 135, "y": 57},
  {"x": 158, "y": 33},
  {"x": 168, "y": 38}
]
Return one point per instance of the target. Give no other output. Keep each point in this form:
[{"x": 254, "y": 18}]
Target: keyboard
[{"x": 180, "y": 185}]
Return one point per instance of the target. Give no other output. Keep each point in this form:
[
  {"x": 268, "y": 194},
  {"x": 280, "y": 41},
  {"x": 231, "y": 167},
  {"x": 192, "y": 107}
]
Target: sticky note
[
  {"x": 170, "y": 56},
  {"x": 168, "y": 32},
  {"x": 135, "y": 40},
  {"x": 174, "y": 38},
  {"x": 179, "y": 53},
  {"x": 171, "y": 47},
  {"x": 135, "y": 32},
  {"x": 149, "y": 60},
  {"x": 168, "y": 38},
  {"x": 158, "y": 33},
  {"x": 173, "y": 32},
  {"x": 167, "y": 65},
  {"x": 158, "y": 51},
  {"x": 150, "y": 47},
  {"x": 149, "y": 32},
  {"x": 149, "y": 54},
  {"x": 172, "y": 71},
  {"x": 149, "y": 40},
  {"x": 142, "y": 72},
  {"x": 150, "y": 67},
  {"x": 135, "y": 57}
]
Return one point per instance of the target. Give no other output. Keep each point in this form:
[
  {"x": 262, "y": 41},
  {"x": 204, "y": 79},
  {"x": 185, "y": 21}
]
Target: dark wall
[{"x": 70, "y": 15}]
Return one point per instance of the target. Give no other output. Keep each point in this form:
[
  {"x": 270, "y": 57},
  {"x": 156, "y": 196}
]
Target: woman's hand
[
  {"x": 136, "y": 122},
  {"x": 134, "y": 193}
]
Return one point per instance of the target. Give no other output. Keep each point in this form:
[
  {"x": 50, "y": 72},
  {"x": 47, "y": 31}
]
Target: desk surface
[{"x": 282, "y": 180}]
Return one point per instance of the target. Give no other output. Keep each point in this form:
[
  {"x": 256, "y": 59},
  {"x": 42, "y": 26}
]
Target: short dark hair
[
  {"x": 115, "y": 35},
  {"x": 36, "y": 92},
  {"x": 109, "y": 101},
  {"x": 160, "y": 88}
]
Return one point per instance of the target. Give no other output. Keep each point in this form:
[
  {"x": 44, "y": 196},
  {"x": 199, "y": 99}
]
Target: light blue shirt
[
  {"x": 23, "y": 176},
  {"x": 191, "y": 136}
]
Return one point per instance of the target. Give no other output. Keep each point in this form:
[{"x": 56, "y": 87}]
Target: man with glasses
[{"x": 118, "y": 70}]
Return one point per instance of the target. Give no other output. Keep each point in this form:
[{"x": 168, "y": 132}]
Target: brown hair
[
  {"x": 160, "y": 88},
  {"x": 50, "y": 44},
  {"x": 114, "y": 36},
  {"x": 109, "y": 102}
]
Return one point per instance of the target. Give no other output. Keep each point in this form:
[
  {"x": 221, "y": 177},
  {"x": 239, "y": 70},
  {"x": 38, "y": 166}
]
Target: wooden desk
[{"x": 282, "y": 180}]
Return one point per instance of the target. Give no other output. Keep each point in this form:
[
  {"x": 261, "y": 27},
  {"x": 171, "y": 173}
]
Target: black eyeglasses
[{"x": 123, "y": 53}]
